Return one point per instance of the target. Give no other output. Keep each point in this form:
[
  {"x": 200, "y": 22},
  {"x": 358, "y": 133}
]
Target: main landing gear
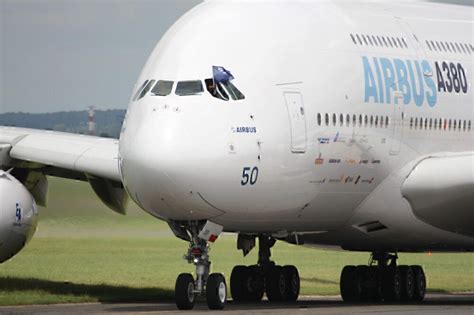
[
  {"x": 249, "y": 283},
  {"x": 212, "y": 286},
  {"x": 384, "y": 281}
]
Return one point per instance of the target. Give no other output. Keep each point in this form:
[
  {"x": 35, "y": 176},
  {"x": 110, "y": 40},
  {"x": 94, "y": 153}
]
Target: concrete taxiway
[{"x": 433, "y": 305}]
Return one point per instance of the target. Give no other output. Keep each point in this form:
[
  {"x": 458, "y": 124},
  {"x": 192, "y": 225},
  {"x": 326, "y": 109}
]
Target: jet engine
[{"x": 18, "y": 216}]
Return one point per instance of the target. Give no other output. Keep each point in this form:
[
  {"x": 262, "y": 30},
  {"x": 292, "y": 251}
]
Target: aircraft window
[
  {"x": 384, "y": 41},
  {"x": 341, "y": 120},
  {"x": 375, "y": 40},
  {"x": 370, "y": 40},
  {"x": 354, "y": 120},
  {"x": 461, "y": 47},
  {"x": 468, "y": 50},
  {"x": 433, "y": 46},
  {"x": 431, "y": 123},
  {"x": 162, "y": 88},
  {"x": 447, "y": 46},
  {"x": 139, "y": 90},
  {"x": 186, "y": 88},
  {"x": 387, "y": 121},
  {"x": 232, "y": 90},
  {"x": 334, "y": 119},
  {"x": 360, "y": 120},
  {"x": 400, "y": 42},
  {"x": 379, "y": 40},
  {"x": 438, "y": 45},
  {"x": 358, "y": 39},
  {"x": 365, "y": 40},
  {"x": 327, "y": 119},
  {"x": 416, "y": 123},
  {"x": 395, "y": 42},
  {"x": 469, "y": 125},
  {"x": 426, "y": 123},
  {"x": 376, "y": 121},
  {"x": 453, "y": 47},
  {"x": 366, "y": 118},
  {"x": 472, "y": 47},
  {"x": 371, "y": 120},
  {"x": 353, "y": 39},
  {"x": 319, "y": 119},
  {"x": 455, "y": 125},
  {"x": 146, "y": 89},
  {"x": 405, "y": 42},
  {"x": 411, "y": 123},
  {"x": 390, "y": 41},
  {"x": 348, "y": 120},
  {"x": 442, "y": 45}
]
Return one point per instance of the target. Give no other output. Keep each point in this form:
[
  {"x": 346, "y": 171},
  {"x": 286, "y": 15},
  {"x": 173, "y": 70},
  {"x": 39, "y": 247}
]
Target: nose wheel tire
[
  {"x": 184, "y": 291},
  {"x": 216, "y": 291}
]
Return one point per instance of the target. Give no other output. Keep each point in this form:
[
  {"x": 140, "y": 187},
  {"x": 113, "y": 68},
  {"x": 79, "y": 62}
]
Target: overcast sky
[{"x": 60, "y": 55}]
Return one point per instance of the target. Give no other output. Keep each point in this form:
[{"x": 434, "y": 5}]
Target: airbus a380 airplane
[{"x": 345, "y": 124}]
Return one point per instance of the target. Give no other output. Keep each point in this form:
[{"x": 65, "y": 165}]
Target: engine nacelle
[{"x": 18, "y": 216}]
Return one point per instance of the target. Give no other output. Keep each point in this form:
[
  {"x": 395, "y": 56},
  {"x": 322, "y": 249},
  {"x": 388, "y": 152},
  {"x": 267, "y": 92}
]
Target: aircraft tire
[
  {"x": 184, "y": 291},
  {"x": 275, "y": 284},
  {"x": 391, "y": 284},
  {"x": 292, "y": 279},
  {"x": 238, "y": 280},
  {"x": 350, "y": 284},
  {"x": 216, "y": 291},
  {"x": 255, "y": 284},
  {"x": 407, "y": 278},
  {"x": 420, "y": 283}
]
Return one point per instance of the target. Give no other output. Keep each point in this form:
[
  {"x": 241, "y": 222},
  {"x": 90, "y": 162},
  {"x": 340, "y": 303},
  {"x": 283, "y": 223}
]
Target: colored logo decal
[
  {"x": 244, "y": 129},
  {"x": 18, "y": 213},
  {"x": 319, "y": 160}
]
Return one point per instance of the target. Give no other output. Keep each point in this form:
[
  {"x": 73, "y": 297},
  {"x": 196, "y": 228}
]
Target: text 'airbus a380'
[{"x": 345, "y": 124}]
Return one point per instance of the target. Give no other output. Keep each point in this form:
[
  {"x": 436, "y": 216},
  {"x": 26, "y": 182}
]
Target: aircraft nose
[{"x": 155, "y": 160}]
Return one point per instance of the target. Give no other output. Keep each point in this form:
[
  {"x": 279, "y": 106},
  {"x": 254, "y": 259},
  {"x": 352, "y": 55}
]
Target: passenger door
[{"x": 296, "y": 114}]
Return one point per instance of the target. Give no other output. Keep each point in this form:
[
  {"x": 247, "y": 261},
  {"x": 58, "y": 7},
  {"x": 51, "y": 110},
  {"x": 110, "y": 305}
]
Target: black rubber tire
[
  {"x": 292, "y": 279},
  {"x": 275, "y": 284},
  {"x": 363, "y": 274},
  {"x": 407, "y": 283},
  {"x": 238, "y": 282},
  {"x": 255, "y": 284},
  {"x": 420, "y": 283},
  {"x": 216, "y": 291},
  {"x": 184, "y": 299},
  {"x": 349, "y": 284},
  {"x": 375, "y": 285},
  {"x": 391, "y": 284}
]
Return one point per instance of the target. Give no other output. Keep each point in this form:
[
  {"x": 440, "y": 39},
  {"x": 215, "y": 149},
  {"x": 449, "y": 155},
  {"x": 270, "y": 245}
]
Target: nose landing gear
[
  {"x": 383, "y": 282},
  {"x": 212, "y": 286}
]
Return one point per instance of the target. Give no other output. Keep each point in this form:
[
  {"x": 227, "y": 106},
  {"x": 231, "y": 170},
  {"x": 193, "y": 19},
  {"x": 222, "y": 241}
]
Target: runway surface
[{"x": 433, "y": 305}]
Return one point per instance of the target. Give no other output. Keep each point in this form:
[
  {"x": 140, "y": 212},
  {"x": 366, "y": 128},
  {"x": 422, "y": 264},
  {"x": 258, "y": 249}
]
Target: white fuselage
[{"x": 341, "y": 101}]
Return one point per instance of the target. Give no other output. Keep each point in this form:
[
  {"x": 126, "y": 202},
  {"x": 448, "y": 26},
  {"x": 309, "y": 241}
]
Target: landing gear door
[{"x": 296, "y": 114}]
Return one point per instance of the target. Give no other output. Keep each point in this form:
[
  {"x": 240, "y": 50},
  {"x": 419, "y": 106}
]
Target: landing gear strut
[
  {"x": 383, "y": 281},
  {"x": 249, "y": 283},
  {"x": 212, "y": 286}
]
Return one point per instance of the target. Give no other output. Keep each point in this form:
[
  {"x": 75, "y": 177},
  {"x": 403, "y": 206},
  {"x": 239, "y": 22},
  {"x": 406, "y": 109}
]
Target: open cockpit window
[
  {"x": 185, "y": 88},
  {"x": 162, "y": 88},
  {"x": 221, "y": 87}
]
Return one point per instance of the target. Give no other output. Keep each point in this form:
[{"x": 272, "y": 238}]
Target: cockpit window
[
  {"x": 162, "y": 88},
  {"x": 146, "y": 89},
  {"x": 185, "y": 88},
  {"x": 233, "y": 91},
  {"x": 140, "y": 90},
  {"x": 224, "y": 90}
]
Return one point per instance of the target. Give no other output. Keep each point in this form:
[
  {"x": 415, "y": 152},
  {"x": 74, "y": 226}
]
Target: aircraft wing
[
  {"x": 36, "y": 153},
  {"x": 440, "y": 190}
]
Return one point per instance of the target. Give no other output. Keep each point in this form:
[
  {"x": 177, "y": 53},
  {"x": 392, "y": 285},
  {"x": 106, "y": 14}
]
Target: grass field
[{"x": 83, "y": 252}]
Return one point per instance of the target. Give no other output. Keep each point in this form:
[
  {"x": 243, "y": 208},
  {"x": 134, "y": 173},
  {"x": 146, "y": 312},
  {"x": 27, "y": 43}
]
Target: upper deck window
[
  {"x": 162, "y": 88},
  {"x": 185, "y": 88}
]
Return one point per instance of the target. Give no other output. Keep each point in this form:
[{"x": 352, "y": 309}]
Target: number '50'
[{"x": 249, "y": 176}]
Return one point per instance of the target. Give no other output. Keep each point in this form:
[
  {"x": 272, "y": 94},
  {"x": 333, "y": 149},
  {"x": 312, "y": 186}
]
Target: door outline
[{"x": 297, "y": 120}]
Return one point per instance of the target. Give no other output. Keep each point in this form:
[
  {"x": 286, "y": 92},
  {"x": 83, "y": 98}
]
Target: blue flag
[{"x": 220, "y": 74}]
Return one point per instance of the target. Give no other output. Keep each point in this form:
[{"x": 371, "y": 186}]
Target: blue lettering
[
  {"x": 403, "y": 84},
  {"x": 379, "y": 79},
  {"x": 430, "y": 96},
  {"x": 389, "y": 78},
  {"x": 370, "y": 85},
  {"x": 418, "y": 97}
]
